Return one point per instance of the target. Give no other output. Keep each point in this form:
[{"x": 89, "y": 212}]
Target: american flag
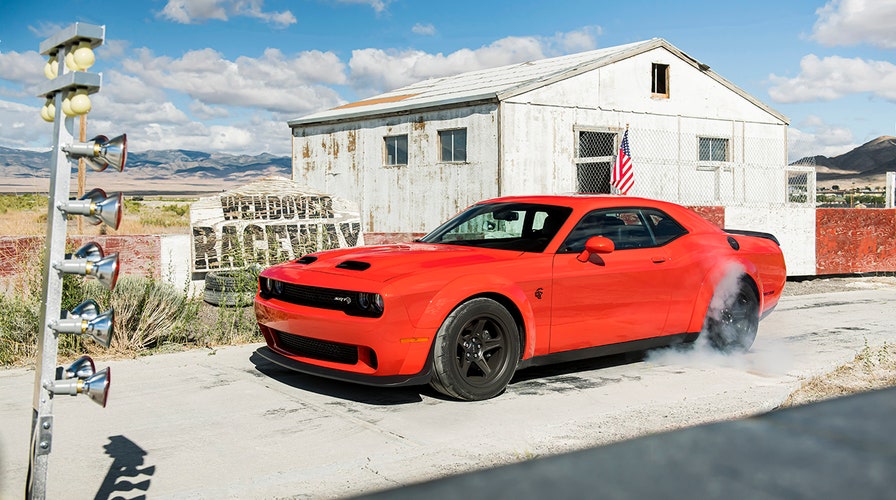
[{"x": 623, "y": 178}]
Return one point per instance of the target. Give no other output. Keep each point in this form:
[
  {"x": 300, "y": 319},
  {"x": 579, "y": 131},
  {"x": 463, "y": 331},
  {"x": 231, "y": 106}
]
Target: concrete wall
[{"x": 792, "y": 225}]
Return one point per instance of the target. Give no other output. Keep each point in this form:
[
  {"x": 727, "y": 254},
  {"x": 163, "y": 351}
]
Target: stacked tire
[{"x": 231, "y": 288}]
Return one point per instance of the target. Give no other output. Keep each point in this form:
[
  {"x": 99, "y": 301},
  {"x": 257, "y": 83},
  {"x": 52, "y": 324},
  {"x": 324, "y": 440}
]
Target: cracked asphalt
[{"x": 228, "y": 424}]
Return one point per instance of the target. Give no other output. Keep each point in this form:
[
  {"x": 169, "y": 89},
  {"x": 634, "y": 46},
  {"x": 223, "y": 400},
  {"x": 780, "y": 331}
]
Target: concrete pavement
[{"x": 226, "y": 424}]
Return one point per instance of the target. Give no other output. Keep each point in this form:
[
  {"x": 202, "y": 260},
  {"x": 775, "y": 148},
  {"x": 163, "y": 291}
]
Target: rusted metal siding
[
  {"x": 347, "y": 160},
  {"x": 852, "y": 240}
]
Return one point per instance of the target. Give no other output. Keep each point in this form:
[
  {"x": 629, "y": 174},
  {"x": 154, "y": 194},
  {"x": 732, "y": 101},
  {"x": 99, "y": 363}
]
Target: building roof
[{"x": 496, "y": 84}]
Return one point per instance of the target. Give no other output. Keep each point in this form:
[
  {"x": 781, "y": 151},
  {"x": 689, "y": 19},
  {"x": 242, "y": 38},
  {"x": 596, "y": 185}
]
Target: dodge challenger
[{"x": 515, "y": 282}]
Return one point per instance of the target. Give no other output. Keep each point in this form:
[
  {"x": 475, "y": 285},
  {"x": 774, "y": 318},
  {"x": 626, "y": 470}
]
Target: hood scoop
[
  {"x": 308, "y": 259},
  {"x": 353, "y": 265}
]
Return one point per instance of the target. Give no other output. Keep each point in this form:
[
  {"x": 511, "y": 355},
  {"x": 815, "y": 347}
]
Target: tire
[
  {"x": 230, "y": 288},
  {"x": 476, "y": 351},
  {"x": 732, "y": 321}
]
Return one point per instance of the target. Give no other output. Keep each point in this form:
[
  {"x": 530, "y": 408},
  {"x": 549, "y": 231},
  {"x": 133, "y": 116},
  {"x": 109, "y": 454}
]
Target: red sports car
[{"x": 514, "y": 282}]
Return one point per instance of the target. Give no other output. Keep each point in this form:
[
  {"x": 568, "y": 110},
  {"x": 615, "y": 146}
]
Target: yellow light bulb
[
  {"x": 80, "y": 103},
  {"x": 70, "y": 61},
  {"x": 51, "y": 69},
  {"x": 83, "y": 56},
  {"x": 45, "y": 113},
  {"x": 67, "y": 105}
]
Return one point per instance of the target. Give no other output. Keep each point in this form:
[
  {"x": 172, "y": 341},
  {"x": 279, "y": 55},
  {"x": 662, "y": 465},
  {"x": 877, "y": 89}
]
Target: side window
[
  {"x": 665, "y": 228},
  {"x": 627, "y": 229},
  {"x": 396, "y": 147}
]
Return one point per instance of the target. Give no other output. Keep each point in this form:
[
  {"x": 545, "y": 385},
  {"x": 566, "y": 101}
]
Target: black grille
[
  {"x": 317, "y": 349},
  {"x": 312, "y": 296}
]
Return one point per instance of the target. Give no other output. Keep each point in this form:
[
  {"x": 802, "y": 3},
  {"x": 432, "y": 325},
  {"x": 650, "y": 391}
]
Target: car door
[{"x": 614, "y": 297}]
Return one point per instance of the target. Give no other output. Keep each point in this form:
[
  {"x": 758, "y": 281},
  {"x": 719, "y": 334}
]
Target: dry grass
[
  {"x": 20, "y": 216},
  {"x": 872, "y": 368}
]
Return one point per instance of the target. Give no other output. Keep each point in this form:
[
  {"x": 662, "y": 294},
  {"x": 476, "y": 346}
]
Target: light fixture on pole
[
  {"x": 83, "y": 367},
  {"x": 85, "y": 318},
  {"x": 96, "y": 207},
  {"x": 96, "y": 386},
  {"x": 100, "y": 152},
  {"x": 90, "y": 261}
]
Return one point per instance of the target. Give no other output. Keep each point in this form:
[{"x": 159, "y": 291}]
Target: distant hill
[
  {"x": 865, "y": 165},
  {"x": 171, "y": 171}
]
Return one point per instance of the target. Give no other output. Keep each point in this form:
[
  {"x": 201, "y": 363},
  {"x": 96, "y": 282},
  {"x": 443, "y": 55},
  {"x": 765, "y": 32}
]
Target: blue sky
[{"x": 226, "y": 75}]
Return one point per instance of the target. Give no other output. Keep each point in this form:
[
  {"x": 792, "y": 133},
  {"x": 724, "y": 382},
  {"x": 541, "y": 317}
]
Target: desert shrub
[
  {"x": 19, "y": 323},
  {"x": 11, "y": 202}
]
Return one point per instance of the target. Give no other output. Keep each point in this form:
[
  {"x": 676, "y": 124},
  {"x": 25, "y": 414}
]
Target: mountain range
[
  {"x": 865, "y": 165},
  {"x": 150, "y": 172},
  {"x": 195, "y": 172}
]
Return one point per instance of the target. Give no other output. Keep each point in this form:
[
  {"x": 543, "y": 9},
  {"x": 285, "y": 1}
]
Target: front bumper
[{"x": 421, "y": 378}]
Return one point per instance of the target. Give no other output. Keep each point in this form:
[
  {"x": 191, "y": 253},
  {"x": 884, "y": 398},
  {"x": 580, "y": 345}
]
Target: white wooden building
[{"x": 415, "y": 156}]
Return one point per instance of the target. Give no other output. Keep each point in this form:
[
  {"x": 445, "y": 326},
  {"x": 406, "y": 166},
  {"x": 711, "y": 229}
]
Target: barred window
[
  {"x": 453, "y": 144},
  {"x": 713, "y": 149},
  {"x": 396, "y": 149},
  {"x": 595, "y": 154}
]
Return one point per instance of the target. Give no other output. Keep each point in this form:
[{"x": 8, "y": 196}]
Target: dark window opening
[
  {"x": 453, "y": 144},
  {"x": 660, "y": 79},
  {"x": 396, "y": 150}
]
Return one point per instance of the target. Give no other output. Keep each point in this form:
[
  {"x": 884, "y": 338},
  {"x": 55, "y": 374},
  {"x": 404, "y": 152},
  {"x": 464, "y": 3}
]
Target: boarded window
[
  {"x": 396, "y": 150},
  {"x": 659, "y": 84},
  {"x": 453, "y": 144},
  {"x": 595, "y": 154},
  {"x": 713, "y": 149}
]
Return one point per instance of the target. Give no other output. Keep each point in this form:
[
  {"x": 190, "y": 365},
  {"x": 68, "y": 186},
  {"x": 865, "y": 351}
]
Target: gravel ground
[
  {"x": 873, "y": 368},
  {"x": 828, "y": 285}
]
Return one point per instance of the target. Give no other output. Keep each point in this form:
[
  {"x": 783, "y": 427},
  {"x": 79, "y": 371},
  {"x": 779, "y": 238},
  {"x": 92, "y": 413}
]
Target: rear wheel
[
  {"x": 476, "y": 351},
  {"x": 733, "y": 318}
]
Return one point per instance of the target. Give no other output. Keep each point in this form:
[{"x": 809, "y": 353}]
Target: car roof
[{"x": 588, "y": 202}]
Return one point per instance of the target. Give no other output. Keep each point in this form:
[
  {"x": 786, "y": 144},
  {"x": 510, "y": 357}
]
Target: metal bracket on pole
[{"x": 45, "y": 435}]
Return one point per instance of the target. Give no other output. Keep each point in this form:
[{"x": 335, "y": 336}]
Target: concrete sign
[{"x": 267, "y": 222}]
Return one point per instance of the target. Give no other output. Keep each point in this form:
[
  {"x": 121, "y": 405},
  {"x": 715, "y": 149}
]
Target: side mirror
[{"x": 596, "y": 245}]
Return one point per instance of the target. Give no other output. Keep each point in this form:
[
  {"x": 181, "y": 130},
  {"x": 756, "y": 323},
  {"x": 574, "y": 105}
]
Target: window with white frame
[
  {"x": 396, "y": 150},
  {"x": 453, "y": 145},
  {"x": 595, "y": 155},
  {"x": 713, "y": 149}
]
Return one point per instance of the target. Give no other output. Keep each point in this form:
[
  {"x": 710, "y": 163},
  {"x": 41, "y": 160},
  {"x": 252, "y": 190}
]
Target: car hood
[{"x": 385, "y": 262}]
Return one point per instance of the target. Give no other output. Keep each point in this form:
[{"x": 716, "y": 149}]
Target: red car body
[{"x": 515, "y": 282}]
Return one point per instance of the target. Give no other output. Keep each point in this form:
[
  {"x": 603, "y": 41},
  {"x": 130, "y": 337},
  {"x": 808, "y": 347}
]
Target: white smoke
[{"x": 766, "y": 358}]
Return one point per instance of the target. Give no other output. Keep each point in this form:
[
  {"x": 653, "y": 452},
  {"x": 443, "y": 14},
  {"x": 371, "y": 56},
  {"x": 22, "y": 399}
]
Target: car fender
[
  {"x": 726, "y": 271},
  {"x": 466, "y": 287}
]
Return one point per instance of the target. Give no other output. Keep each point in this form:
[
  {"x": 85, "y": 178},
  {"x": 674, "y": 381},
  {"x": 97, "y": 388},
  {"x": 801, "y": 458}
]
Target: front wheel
[
  {"x": 476, "y": 351},
  {"x": 733, "y": 318}
]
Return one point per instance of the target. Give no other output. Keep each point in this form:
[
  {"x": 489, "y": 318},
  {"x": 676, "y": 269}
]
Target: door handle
[{"x": 658, "y": 259}]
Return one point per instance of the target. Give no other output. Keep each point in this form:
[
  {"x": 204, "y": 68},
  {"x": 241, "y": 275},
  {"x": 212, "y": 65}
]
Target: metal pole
[{"x": 51, "y": 308}]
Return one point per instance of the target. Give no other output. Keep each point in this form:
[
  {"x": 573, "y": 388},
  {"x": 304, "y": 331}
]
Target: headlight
[
  {"x": 370, "y": 303},
  {"x": 270, "y": 286}
]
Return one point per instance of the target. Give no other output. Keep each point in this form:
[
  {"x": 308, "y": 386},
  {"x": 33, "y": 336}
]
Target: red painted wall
[
  {"x": 138, "y": 255},
  {"x": 854, "y": 240}
]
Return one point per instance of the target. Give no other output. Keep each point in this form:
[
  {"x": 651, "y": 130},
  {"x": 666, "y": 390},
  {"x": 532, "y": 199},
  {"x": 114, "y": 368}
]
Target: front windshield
[{"x": 522, "y": 227}]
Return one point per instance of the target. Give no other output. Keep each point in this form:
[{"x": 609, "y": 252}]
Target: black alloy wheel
[
  {"x": 476, "y": 351},
  {"x": 731, "y": 325}
]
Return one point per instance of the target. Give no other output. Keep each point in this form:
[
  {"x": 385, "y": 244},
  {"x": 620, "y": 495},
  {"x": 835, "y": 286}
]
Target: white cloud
[
  {"x": 424, "y": 29},
  {"x": 851, "y": 22},
  {"x": 272, "y": 82},
  {"x": 379, "y": 6},
  {"x": 21, "y": 126},
  {"x": 813, "y": 136},
  {"x": 376, "y": 70},
  {"x": 26, "y": 68},
  {"x": 834, "y": 77},
  {"x": 195, "y": 11}
]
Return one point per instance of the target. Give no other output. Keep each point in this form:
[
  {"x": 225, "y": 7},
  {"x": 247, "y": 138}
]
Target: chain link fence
[{"x": 696, "y": 168}]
